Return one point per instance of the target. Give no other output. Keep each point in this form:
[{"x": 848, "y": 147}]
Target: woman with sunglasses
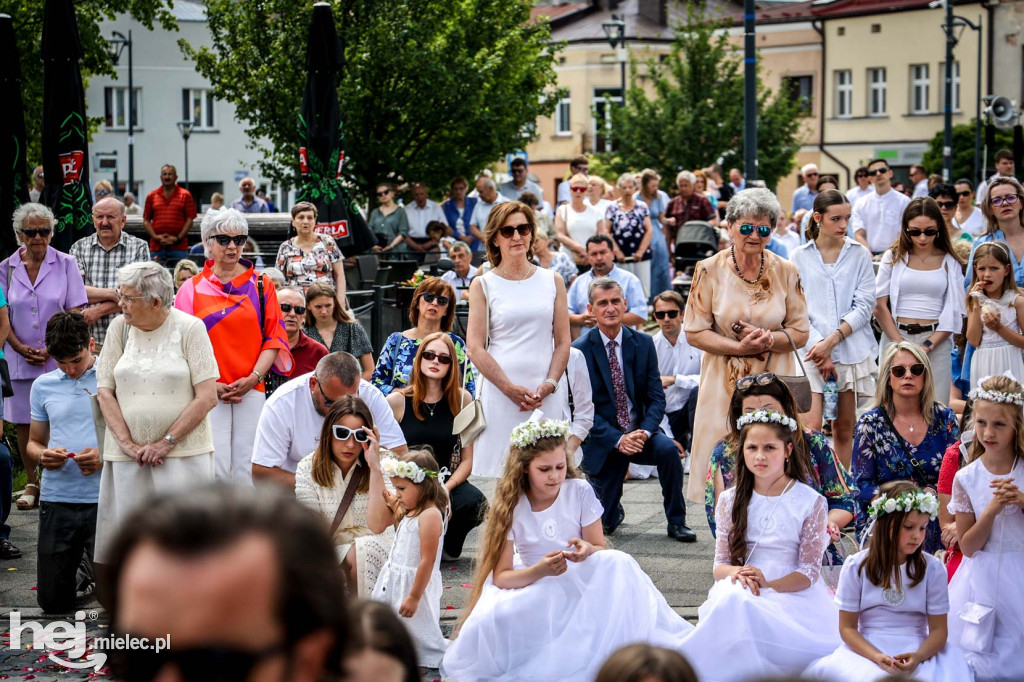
[
  {"x": 945, "y": 196},
  {"x": 348, "y": 452},
  {"x": 629, "y": 225},
  {"x": 388, "y": 221},
  {"x": 919, "y": 290},
  {"x": 432, "y": 310},
  {"x": 906, "y": 434},
  {"x": 518, "y": 335},
  {"x": 426, "y": 409},
  {"x": 38, "y": 281},
  {"x": 579, "y": 220},
  {"x": 967, "y": 217},
  {"x": 243, "y": 317},
  {"x": 328, "y": 322},
  {"x": 742, "y": 303},
  {"x": 309, "y": 257}
]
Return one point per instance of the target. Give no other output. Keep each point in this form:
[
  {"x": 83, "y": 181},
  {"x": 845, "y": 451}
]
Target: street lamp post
[
  {"x": 954, "y": 22},
  {"x": 118, "y": 43},
  {"x": 185, "y": 128},
  {"x": 615, "y": 31}
]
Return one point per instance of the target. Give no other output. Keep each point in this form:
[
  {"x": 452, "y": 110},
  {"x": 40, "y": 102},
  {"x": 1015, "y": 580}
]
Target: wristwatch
[
  {"x": 927, "y": 343},
  {"x": 170, "y": 440}
]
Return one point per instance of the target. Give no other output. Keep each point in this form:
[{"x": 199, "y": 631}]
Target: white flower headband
[
  {"x": 395, "y": 468},
  {"x": 529, "y": 432},
  {"x": 997, "y": 396},
  {"x": 923, "y": 502},
  {"x": 766, "y": 417}
]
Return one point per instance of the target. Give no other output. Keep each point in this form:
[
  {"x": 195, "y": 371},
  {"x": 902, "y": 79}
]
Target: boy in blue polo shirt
[{"x": 62, "y": 437}]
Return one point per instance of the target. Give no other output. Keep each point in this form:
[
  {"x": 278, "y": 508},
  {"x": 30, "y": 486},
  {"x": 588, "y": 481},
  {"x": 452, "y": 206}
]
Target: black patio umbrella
[
  {"x": 13, "y": 169},
  {"x": 65, "y": 130},
  {"x": 321, "y": 140}
]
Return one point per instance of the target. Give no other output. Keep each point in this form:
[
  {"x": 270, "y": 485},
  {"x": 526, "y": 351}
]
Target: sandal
[{"x": 29, "y": 500}]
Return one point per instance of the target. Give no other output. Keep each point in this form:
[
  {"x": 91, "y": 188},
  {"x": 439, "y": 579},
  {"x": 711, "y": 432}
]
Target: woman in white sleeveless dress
[
  {"x": 518, "y": 335},
  {"x": 578, "y": 220}
]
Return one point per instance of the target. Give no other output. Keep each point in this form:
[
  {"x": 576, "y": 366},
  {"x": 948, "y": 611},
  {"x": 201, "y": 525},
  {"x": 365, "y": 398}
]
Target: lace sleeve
[
  {"x": 960, "y": 502},
  {"x": 723, "y": 522},
  {"x": 813, "y": 540}
]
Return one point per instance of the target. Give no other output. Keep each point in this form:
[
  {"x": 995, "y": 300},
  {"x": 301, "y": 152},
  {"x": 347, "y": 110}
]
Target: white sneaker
[{"x": 686, "y": 465}]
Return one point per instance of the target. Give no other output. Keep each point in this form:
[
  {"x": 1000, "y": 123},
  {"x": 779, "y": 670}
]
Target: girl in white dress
[
  {"x": 549, "y": 600},
  {"x": 893, "y": 600},
  {"x": 988, "y": 504},
  {"x": 411, "y": 579},
  {"x": 768, "y": 613},
  {"x": 995, "y": 315}
]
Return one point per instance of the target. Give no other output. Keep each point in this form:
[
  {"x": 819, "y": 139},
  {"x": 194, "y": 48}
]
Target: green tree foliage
[
  {"x": 27, "y": 16},
  {"x": 963, "y": 150},
  {"x": 431, "y": 88},
  {"x": 694, "y": 116}
]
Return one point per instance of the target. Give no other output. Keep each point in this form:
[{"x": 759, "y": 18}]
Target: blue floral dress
[
  {"x": 627, "y": 227},
  {"x": 878, "y": 458},
  {"x": 394, "y": 365}
]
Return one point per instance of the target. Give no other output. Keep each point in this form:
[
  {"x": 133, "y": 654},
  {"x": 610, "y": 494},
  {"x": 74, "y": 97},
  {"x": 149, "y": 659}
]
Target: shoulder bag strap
[
  {"x": 914, "y": 462},
  {"x": 795, "y": 352},
  {"x": 263, "y": 306},
  {"x": 346, "y": 500}
]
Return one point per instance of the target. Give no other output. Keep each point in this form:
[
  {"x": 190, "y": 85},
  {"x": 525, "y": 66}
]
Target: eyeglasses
[
  {"x": 507, "y": 230},
  {"x": 763, "y": 231},
  {"x": 440, "y": 357},
  {"x": 436, "y": 298},
  {"x": 858, "y": 176},
  {"x": 42, "y": 232},
  {"x": 878, "y": 171},
  {"x": 743, "y": 383},
  {"x": 122, "y": 297},
  {"x": 1008, "y": 200},
  {"x": 298, "y": 309},
  {"x": 918, "y": 233},
  {"x": 327, "y": 402},
  {"x": 946, "y": 205},
  {"x": 212, "y": 663},
  {"x": 225, "y": 239},
  {"x": 102, "y": 192},
  {"x": 966, "y": 193},
  {"x": 810, "y": 175},
  {"x": 900, "y": 371},
  {"x": 660, "y": 314},
  {"x": 344, "y": 433},
  {"x": 576, "y": 188},
  {"x": 383, "y": 192},
  {"x": 517, "y": 171}
]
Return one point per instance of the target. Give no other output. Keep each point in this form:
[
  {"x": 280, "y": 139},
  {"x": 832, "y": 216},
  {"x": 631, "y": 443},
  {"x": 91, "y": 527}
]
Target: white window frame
[
  {"x": 844, "y": 93},
  {"x": 877, "y": 84},
  {"x": 604, "y": 96},
  {"x": 920, "y": 89},
  {"x": 119, "y": 107},
  {"x": 956, "y": 86},
  {"x": 207, "y": 108},
  {"x": 563, "y": 117}
]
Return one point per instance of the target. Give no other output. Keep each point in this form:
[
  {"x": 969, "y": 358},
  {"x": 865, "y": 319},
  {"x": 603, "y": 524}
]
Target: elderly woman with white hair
[
  {"x": 629, "y": 224},
  {"x": 156, "y": 379},
  {"x": 743, "y": 302},
  {"x": 239, "y": 308},
  {"x": 38, "y": 281}
]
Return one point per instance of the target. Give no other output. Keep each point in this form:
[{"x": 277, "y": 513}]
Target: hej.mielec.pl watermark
[{"x": 70, "y": 639}]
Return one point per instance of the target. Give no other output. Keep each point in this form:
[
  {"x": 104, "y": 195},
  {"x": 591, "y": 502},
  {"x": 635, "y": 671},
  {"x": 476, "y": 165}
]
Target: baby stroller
[{"x": 695, "y": 241}]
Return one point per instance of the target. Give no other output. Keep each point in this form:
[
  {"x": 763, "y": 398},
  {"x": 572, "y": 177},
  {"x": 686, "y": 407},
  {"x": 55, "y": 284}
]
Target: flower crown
[
  {"x": 923, "y": 502},
  {"x": 396, "y": 468},
  {"x": 766, "y": 417},
  {"x": 529, "y": 432},
  {"x": 996, "y": 396}
]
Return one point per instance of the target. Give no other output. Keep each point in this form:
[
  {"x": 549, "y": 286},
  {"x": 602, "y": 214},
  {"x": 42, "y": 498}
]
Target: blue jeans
[
  {"x": 661, "y": 275},
  {"x": 6, "y": 489},
  {"x": 168, "y": 257}
]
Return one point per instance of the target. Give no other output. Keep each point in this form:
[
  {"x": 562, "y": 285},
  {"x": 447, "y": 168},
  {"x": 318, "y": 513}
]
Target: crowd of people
[{"x": 133, "y": 387}]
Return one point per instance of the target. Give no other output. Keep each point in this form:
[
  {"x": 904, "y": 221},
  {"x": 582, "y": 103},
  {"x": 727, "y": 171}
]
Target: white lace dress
[
  {"x": 895, "y": 622},
  {"x": 741, "y": 636},
  {"x": 371, "y": 549},
  {"x": 395, "y": 583},
  {"x": 561, "y": 627},
  {"x": 992, "y": 576},
  {"x": 996, "y": 355}
]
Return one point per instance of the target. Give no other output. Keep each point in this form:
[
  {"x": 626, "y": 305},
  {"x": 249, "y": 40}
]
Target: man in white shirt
[
  {"x": 581, "y": 404},
  {"x": 463, "y": 273},
  {"x": 875, "y": 221},
  {"x": 602, "y": 264},
  {"x": 514, "y": 188},
  {"x": 679, "y": 364},
  {"x": 581, "y": 164},
  {"x": 920, "y": 180},
  {"x": 487, "y": 191},
  {"x": 420, "y": 213},
  {"x": 1005, "y": 167},
  {"x": 289, "y": 426},
  {"x": 862, "y": 188}
]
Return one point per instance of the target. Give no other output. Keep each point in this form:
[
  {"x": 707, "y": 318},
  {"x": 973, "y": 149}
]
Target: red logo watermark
[
  {"x": 338, "y": 229},
  {"x": 303, "y": 161},
  {"x": 71, "y": 167}
]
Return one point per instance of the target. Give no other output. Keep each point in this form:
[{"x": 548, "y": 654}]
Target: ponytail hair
[{"x": 822, "y": 202}]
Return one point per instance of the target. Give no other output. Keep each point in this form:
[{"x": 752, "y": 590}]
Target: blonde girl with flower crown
[
  {"x": 987, "y": 501},
  {"x": 893, "y": 601},
  {"x": 769, "y": 613},
  {"x": 549, "y": 599},
  {"x": 411, "y": 579}
]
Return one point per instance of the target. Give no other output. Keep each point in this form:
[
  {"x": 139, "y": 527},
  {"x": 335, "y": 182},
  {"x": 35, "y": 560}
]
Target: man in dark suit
[{"x": 629, "y": 404}]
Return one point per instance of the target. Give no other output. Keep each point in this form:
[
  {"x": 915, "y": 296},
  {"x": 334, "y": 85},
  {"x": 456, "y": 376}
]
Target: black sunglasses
[
  {"x": 383, "y": 192},
  {"x": 660, "y": 314},
  {"x": 946, "y": 205},
  {"x": 966, "y": 193},
  {"x": 763, "y": 379},
  {"x": 763, "y": 231},
  {"x": 436, "y": 298},
  {"x": 860, "y": 175},
  {"x": 506, "y": 231},
  {"x": 344, "y": 433},
  {"x": 926, "y": 233},
  {"x": 32, "y": 234},
  {"x": 900, "y": 371},
  {"x": 431, "y": 355},
  {"x": 327, "y": 402},
  {"x": 222, "y": 664},
  {"x": 878, "y": 171},
  {"x": 288, "y": 307},
  {"x": 224, "y": 239}
]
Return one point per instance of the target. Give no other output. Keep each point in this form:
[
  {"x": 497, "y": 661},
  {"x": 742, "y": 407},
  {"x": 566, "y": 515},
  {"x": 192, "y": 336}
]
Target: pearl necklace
[{"x": 739, "y": 273}]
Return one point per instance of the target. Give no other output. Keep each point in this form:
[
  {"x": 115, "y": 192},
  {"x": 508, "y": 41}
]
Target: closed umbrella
[
  {"x": 321, "y": 140},
  {"x": 13, "y": 168},
  {"x": 65, "y": 131}
]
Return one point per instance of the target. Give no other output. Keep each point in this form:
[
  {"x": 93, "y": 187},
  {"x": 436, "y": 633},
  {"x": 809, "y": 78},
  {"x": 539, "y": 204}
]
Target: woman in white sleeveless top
[
  {"x": 518, "y": 335},
  {"x": 579, "y": 220}
]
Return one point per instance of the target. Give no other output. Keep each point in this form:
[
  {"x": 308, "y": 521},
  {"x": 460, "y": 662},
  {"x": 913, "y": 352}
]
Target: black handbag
[{"x": 6, "y": 387}]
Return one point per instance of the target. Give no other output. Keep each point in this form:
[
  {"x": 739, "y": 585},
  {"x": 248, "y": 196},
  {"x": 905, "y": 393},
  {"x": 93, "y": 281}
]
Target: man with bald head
[
  {"x": 99, "y": 257},
  {"x": 248, "y": 202}
]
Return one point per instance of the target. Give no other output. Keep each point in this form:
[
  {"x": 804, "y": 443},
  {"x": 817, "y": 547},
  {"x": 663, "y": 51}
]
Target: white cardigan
[{"x": 887, "y": 283}]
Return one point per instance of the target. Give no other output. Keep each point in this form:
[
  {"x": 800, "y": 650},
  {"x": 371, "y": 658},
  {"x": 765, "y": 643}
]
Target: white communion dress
[
  {"x": 992, "y": 576},
  {"x": 895, "y": 621},
  {"x": 741, "y": 636},
  {"x": 395, "y": 583},
  {"x": 996, "y": 355},
  {"x": 561, "y": 627}
]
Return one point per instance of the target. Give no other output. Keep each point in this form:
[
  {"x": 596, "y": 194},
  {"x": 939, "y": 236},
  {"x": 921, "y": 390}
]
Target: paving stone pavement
[{"x": 681, "y": 571}]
